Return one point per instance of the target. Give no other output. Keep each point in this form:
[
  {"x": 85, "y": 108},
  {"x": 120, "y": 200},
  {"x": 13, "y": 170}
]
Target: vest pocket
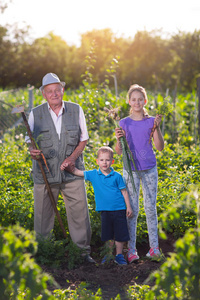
[
  {"x": 46, "y": 144},
  {"x": 72, "y": 142},
  {"x": 72, "y": 136},
  {"x": 44, "y": 139}
]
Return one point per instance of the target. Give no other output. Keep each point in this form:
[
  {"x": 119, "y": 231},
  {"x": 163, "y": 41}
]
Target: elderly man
[{"x": 60, "y": 130}]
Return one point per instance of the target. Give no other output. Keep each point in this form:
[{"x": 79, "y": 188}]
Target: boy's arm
[
  {"x": 75, "y": 171},
  {"x": 129, "y": 211},
  {"x": 78, "y": 172}
]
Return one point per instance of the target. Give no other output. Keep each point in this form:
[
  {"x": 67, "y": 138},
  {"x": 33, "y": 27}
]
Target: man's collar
[{"x": 63, "y": 106}]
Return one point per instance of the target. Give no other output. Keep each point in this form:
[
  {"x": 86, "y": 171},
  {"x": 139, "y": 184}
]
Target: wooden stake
[{"x": 21, "y": 109}]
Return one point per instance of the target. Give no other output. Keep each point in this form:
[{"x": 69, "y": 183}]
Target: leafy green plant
[
  {"x": 107, "y": 250},
  {"x": 18, "y": 270},
  {"x": 50, "y": 252},
  {"x": 74, "y": 255},
  {"x": 16, "y": 191},
  {"x": 53, "y": 253},
  {"x": 179, "y": 276},
  {"x": 136, "y": 291},
  {"x": 164, "y": 107},
  {"x": 80, "y": 293}
]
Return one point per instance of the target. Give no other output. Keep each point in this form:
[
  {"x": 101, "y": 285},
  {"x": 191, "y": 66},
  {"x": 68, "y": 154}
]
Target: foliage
[
  {"x": 80, "y": 293},
  {"x": 179, "y": 276},
  {"x": 74, "y": 255},
  {"x": 164, "y": 107},
  {"x": 19, "y": 274},
  {"x": 50, "y": 251},
  {"x": 136, "y": 291},
  {"x": 176, "y": 176},
  {"x": 148, "y": 58},
  {"x": 107, "y": 251},
  {"x": 16, "y": 204},
  {"x": 178, "y": 164},
  {"x": 178, "y": 168}
]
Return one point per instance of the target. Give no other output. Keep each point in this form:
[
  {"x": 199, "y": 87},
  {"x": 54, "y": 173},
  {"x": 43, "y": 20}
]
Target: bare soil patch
[{"x": 111, "y": 278}]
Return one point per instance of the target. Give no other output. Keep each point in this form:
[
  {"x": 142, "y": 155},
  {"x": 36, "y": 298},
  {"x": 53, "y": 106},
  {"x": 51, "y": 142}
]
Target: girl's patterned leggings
[{"x": 149, "y": 180}]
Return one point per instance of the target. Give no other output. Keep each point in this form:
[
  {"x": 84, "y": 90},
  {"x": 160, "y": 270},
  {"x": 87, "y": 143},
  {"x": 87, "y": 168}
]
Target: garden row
[{"x": 177, "y": 203}]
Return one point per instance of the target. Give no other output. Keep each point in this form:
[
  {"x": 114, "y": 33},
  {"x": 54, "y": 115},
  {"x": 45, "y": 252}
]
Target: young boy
[{"x": 111, "y": 199}]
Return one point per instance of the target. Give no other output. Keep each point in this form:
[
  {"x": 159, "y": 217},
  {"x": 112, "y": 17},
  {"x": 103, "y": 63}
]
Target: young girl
[{"x": 137, "y": 129}]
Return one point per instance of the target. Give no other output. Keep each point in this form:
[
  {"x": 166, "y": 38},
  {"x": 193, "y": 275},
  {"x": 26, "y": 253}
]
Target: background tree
[
  {"x": 149, "y": 58},
  {"x": 47, "y": 54},
  {"x": 186, "y": 47},
  {"x": 145, "y": 60}
]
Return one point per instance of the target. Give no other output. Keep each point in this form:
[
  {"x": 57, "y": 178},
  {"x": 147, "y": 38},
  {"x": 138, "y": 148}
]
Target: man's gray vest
[{"x": 54, "y": 149}]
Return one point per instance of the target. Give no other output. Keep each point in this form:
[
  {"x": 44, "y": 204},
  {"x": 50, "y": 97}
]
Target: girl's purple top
[{"x": 137, "y": 136}]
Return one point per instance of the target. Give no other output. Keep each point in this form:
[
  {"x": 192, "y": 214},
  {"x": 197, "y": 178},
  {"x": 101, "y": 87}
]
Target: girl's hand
[
  {"x": 119, "y": 133},
  {"x": 157, "y": 134},
  {"x": 158, "y": 119}
]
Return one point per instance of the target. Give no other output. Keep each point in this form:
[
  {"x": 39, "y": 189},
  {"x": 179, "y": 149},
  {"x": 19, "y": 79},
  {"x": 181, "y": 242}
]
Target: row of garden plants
[
  {"x": 178, "y": 198},
  {"x": 22, "y": 278},
  {"x": 177, "y": 203}
]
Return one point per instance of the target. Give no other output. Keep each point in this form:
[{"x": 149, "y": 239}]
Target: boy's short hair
[{"x": 105, "y": 149}]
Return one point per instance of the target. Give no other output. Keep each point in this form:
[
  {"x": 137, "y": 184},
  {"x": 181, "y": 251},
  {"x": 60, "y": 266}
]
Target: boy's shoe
[
  {"x": 120, "y": 260},
  {"x": 153, "y": 252},
  {"x": 105, "y": 259},
  {"x": 132, "y": 255}
]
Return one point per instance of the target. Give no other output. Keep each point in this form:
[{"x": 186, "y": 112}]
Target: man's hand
[
  {"x": 35, "y": 153},
  {"x": 68, "y": 164}
]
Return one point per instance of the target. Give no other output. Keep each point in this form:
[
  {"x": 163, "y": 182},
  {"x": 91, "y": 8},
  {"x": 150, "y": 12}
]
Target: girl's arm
[
  {"x": 129, "y": 211},
  {"x": 157, "y": 136}
]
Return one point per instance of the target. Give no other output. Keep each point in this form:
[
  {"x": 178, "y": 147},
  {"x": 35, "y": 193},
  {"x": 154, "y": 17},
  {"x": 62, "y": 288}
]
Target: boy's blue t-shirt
[{"x": 107, "y": 189}]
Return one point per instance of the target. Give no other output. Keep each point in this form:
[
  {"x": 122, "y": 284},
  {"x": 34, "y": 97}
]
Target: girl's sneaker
[
  {"x": 153, "y": 252},
  {"x": 132, "y": 255},
  {"x": 120, "y": 260}
]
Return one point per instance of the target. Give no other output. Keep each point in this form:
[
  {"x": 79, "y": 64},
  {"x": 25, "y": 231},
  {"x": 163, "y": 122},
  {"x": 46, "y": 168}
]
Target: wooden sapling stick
[{"x": 20, "y": 109}]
